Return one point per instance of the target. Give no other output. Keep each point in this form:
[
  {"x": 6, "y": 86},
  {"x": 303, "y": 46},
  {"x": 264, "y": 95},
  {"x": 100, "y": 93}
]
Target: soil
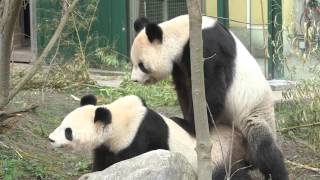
[{"x": 27, "y": 134}]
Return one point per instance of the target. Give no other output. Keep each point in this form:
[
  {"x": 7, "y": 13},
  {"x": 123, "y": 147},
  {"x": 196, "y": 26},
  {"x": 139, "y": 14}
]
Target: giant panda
[
  {"x": 236, "y": 89},
  {"x": 127, "y": 128}
]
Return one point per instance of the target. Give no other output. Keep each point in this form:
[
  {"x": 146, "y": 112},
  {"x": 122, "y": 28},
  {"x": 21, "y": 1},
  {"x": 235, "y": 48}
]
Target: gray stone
[
  {"x": 153, "y": 165},
  {"x": 107, "y": 81},
  {"x": 280, "y": 85}
]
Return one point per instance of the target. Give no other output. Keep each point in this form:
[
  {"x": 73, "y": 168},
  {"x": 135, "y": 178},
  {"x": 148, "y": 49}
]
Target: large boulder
[{"x": 153, "y": 165}]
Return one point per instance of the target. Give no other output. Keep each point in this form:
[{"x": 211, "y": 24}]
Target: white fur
[
  {"x": 180, "y": 141},
  {"x": 221, "y": 137},
  {"x": 84, "y": 131},
  {"x": 127, "y": 114},
  {"x": 249, "y": 90}
]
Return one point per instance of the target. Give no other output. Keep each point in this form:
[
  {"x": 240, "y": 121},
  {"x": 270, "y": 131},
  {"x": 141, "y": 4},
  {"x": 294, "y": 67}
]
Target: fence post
[
  {"x": 275, "y": 40},
  {"x": 223, "y": 12}
]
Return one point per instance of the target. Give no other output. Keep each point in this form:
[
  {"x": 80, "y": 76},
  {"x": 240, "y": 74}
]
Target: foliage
[
  {"x": 79, "y": 36},
  {"x": 159, "y": 94},
  {"x": 303, "y": 108},
  {"x": 18, "y": 165},
  {"x": 57, "y": 76},
  {"x": 108, "y": 58}
]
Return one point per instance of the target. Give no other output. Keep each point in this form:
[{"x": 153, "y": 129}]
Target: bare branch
[
  {"x": 298, "y": 127},
  {"x": 317, "y": 170},
  {"x": 5, "y": 115}
]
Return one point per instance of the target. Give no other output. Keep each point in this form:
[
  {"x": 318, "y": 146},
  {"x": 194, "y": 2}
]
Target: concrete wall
[{"x": 238, "y": 11}]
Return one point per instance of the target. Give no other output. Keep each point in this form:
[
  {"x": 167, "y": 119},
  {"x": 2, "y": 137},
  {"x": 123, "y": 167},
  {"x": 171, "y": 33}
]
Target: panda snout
[{"x": 51, "y": 140}]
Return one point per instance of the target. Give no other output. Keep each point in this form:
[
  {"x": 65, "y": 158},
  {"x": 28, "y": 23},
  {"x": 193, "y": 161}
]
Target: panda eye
[
  {"x": 143, "y": 68},
  {"x": 68, "y": 134}
]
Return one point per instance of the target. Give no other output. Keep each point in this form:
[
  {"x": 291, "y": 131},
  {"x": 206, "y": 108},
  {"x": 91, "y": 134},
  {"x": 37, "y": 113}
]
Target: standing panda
[
  {"x": 236, "y": 89},
  {"x": 127, "y": 128}
]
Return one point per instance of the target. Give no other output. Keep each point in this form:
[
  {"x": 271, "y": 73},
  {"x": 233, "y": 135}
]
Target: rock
[
  {"x": 280, "y": 85},
  {"x": 153, "y": 165}
]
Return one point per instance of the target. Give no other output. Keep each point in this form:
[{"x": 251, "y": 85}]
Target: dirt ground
[{"x": 28, "y": 142}]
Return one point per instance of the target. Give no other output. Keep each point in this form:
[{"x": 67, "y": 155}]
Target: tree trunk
[
  {"x": 198, "y": 91},
  {"x": 9, "y": 10}
]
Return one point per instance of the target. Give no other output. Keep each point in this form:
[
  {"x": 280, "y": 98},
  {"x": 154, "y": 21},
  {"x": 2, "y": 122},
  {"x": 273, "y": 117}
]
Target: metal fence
[{"x": 156, "y": 11}]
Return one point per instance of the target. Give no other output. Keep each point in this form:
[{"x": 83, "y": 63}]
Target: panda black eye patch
[
  {"x": 143, "y": 68},
  {"x": 68, "y": 134}
]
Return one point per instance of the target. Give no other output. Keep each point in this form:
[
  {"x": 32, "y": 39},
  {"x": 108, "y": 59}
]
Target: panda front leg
[
  {"x": 103, "y": 158},
  {"x": 265, "y": 154}
]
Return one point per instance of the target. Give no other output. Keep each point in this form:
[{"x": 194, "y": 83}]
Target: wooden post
[
  {"x": 198, "y": 91},
  {"x": 34, "y": 29}
]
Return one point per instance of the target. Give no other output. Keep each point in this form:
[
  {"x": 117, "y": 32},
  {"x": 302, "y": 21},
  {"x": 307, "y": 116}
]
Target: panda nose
[{"x": 51, "y": 140}]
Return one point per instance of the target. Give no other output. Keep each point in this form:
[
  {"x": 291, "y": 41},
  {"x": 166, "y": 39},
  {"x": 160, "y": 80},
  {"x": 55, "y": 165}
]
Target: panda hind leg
[{"x": 264, "y": 152}]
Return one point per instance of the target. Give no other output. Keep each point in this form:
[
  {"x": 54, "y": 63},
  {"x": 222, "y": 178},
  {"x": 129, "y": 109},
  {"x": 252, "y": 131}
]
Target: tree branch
[
  {"x": 5, "y": 115},
  {"x": 298, "y": 127},
  {"x": 317, "y": 170},
  {"x": 198, "y": 91},
  {"x": 45, "y": 52}
]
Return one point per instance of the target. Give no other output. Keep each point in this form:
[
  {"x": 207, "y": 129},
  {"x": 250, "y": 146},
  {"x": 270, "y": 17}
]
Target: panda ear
[
  {"x": 140, "y": 23},
  {"x": 88, "y": 99},
  {"x": 154, "y": 32},
  {"x": 102, "y": 115}
]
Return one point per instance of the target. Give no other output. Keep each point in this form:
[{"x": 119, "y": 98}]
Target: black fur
[
  {"x": 238, "y": 172},
  {"x": 68, "y": 134},
  {"x": 154, "y": 32},
  {"x": 102, "y": 115},
  {"x": 88, "y": 99},
  {"x": 143, "y": 68},
  {"x": 267, "y": 156},
  {"x": 140, "y": 23},
  {"x": 219, "y": 54},
  {"x": 185, "y": 125},
  {"x": 151, "y": 135}
]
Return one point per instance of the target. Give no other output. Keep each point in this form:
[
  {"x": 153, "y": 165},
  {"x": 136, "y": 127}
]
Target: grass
[
  {"x": 26, "y": 153},
  {"x": 156, "y": 95},
  {"x": 303, "y": 109}
]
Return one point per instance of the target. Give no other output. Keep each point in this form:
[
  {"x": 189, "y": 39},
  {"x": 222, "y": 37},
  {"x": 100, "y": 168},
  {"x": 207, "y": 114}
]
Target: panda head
[
  {"x": 84, "y": 127},
  {"x": 156, "y": 47},
  {"x": 90, "y": 126}
]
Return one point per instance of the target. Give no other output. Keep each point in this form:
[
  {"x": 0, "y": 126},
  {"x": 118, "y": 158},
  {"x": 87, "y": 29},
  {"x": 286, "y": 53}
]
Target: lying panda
[
  {"x": 127, "y": 128},
  {"x": 236, "y": 89}
]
